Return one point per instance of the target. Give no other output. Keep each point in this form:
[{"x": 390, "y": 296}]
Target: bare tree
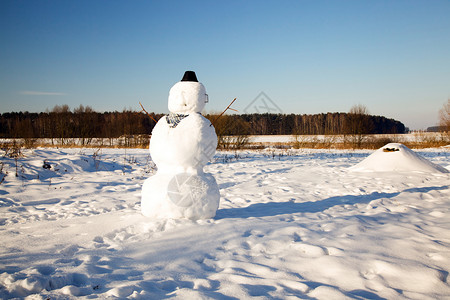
[
  {"x": 61, "y": 122},
  {"x": 444, "y": 117},
  {"x": 358, "y": 124},
  {"x": 85, "y": 124}
]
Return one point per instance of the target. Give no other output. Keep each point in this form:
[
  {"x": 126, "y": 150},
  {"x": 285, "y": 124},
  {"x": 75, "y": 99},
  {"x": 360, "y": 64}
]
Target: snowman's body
[{"x": 180, "y": 150}]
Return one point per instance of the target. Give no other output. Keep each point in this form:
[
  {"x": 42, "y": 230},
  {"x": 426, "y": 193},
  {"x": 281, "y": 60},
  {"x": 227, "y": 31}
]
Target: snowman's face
[{"x": 187, "y": 97}]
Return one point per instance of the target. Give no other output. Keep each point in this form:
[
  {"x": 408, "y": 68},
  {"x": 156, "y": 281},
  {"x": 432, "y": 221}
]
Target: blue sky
[{"x": 307, "y": 56}]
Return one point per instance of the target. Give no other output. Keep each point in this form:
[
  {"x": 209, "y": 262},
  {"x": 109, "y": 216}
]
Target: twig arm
[
  {"x": 228, "y": 107},
  {"x": 143, "y": 110}
]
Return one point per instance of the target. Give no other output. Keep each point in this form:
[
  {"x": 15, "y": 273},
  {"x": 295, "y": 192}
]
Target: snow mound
[{"x": 396, "y": 157}]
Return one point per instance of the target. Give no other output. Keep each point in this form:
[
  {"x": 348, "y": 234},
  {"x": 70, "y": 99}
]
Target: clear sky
[{"x": 306, "y": 56}]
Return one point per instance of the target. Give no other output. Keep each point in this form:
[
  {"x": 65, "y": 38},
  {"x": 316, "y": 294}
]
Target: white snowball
[
  {"x": 182, "y": 195},
  {"x": 185, "y": 148},
  {"x": 187, "y": 97}
]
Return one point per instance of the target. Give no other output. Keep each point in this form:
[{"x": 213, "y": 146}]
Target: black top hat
[{"x": 189, "y": 76}]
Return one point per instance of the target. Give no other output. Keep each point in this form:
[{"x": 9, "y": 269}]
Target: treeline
[
  {"x": 84, "y": 123},
  {"x": 317, "y": 124}
]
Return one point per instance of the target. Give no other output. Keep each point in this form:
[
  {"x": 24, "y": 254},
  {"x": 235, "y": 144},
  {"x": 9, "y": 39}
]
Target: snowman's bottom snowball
[{"x": 181, "y": 195}]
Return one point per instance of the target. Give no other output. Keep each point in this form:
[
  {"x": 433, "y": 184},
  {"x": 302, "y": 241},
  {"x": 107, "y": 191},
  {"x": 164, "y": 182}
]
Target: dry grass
[
  {"x": 427, "y": 140},
  {"x": 139, "y": 142},
  {"x": 413, "y": 141}
]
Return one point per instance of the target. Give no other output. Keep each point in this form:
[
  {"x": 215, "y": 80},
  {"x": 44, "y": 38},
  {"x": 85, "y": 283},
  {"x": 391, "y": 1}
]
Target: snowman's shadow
[
  {"x": 270, "y": 209},
  {"x": 227, "y": 185}
]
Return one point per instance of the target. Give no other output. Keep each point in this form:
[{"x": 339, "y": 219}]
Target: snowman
[{"x": 182, "y": 143}]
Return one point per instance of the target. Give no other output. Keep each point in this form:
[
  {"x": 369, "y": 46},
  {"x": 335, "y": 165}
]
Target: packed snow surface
[
  {"x": 291, "y": 224},
  {"x": 187, "y": 97},
  {"x": 181, "y": 188},
  {"x": 187, "y": 147}
]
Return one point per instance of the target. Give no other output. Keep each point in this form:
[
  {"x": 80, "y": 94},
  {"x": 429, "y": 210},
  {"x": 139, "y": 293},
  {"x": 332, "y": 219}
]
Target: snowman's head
[{"x": 188, "y": 95}]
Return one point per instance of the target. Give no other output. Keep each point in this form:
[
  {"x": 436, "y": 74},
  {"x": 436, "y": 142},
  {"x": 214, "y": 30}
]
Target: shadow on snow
[{"x": 270, "y": 209}]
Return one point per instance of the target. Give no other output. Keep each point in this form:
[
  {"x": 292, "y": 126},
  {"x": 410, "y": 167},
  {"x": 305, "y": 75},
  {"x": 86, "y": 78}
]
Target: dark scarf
[{"x": 174, "y": 119}]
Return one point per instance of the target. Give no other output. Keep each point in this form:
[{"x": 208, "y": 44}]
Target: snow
[
  {"x": 395, "y": 157},
  {"x": 180, "y": 188},
  {"x": 183, "y": 195},
  {"x": 185, "y": 148},
  {"x": 187, "y": 97},
  {"x": 291, "y": 224},
  {"x": 180, "y": 154}
]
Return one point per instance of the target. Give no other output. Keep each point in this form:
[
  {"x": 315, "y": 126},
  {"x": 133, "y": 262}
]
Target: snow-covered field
[
  {"x": 291, "y": 224},
  {"x": 289, "y": 139}
]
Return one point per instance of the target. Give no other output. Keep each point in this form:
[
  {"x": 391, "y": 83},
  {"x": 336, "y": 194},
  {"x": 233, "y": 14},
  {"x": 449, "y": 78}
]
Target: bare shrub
[
  {"x": 305, "y": 141},
  {"x": 428, "y": 140},
  {"x": 377, "y": 142},
  {"x": 2, "y": 174},
  {"x": 444, "y": 119},
  {"x": 29, "y": 143},
  {"x": 142, "y": 141},
  {"x": 330, "y": 141},
  {"x": 13, "y": 150},
  {"x": 231, "y": 133}
]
